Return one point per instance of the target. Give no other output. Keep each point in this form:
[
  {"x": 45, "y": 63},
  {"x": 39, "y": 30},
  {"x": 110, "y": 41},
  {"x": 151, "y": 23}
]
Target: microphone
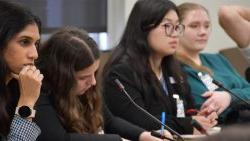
[
  {"x": 121, "y": 87},
  {"x": 230, "y": 92}
]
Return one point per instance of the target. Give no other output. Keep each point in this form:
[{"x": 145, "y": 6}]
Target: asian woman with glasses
[{"x": 144, "y": 63}]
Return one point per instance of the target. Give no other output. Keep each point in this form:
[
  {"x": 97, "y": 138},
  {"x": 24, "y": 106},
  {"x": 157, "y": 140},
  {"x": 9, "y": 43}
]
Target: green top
[{"x": 223, "y": 72}]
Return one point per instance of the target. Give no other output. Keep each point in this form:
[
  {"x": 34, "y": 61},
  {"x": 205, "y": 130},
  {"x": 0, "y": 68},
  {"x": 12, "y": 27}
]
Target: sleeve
[
  {"x": 115, "y": 125},
  {"x": 23, "y": 130},
  {"x": 240, "y": 86},
  {"x": 121, "y": 106},
  {"x": 53, "y": 130}
]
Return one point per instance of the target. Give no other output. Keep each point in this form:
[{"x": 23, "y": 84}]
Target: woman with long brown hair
[{"x": 70, "y": 106}]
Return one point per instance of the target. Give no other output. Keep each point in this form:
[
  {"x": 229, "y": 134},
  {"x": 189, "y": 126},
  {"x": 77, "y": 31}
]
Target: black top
[
  {"x": 120, "y": 105},
  {"x": 52, "y": 129}
]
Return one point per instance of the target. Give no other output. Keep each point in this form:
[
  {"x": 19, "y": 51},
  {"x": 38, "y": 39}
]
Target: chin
[
  {"x": 169, "y": 53},
  {"x": 15, "y": 70},
  {"x": 81, "y": 93},
  {"x": 201, "y": 46}
]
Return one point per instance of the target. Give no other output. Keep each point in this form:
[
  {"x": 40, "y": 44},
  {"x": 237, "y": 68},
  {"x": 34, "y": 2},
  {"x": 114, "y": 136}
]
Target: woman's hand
[
  {"x": 30, "y": 81},
  {"x": 146, "y": 136},
  {"x": 213, "y": 118},
  {"x": 217, "y": 101},
  {"x": 206, "y": 122}
]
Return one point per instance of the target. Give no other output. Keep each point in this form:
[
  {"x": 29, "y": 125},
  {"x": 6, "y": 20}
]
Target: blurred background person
[{"x": 235, "y": 20}]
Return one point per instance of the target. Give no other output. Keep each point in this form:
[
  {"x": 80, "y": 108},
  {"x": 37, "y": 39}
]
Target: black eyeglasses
[{"x": 170, "y": 28}]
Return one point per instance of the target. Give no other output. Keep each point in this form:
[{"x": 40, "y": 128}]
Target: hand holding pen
[{"x": 162, "y": 133}]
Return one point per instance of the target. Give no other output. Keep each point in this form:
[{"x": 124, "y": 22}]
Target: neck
[
  {"x": 193, "y": 55},
  {"x": 155, "y": 63}
]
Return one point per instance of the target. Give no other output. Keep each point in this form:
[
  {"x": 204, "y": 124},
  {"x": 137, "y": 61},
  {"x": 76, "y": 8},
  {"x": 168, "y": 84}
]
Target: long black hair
[
  {"x": 13, "y": 19},
  {"x": 133, "y": 48}
]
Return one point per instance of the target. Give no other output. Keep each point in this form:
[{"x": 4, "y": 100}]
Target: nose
[
  {"x": 175, "y": 34},
  {"x": 93, "y": 80},
  {"x": 203, "y": 31},
  {"x": 33, "y": 54}
]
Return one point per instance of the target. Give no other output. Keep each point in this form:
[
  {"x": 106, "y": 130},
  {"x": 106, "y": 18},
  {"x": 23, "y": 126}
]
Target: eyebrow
[
  {"x": 170, "y": 20},
  {"x": 28, "y": 37},
  {"x": 195, "y": 22}
]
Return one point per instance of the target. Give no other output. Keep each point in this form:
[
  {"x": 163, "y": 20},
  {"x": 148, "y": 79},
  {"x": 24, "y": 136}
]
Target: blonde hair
[
  {"x": 188, "y": 61},
  {"x": 183, "y": 9},
  {"x": 186, "y": 7}
]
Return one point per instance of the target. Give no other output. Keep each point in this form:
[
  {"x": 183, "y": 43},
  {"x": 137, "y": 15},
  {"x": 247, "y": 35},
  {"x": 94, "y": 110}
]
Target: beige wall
[
  {"x": 218, "y": 38},
  {"x": 118, "y": 13}
]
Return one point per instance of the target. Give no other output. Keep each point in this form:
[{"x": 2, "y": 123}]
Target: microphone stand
[
  {"x": 230, "y": 92},
  {"x": 121, "y": 87}
]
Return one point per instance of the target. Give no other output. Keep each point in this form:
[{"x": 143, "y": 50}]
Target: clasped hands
[
  {"x": 217, "y": 101},
  {"x": 215, "y": 104}
]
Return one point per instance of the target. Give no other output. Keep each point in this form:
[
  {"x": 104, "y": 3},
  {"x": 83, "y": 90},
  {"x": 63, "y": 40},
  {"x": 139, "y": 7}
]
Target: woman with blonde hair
[{"x": 202, "y": 68}]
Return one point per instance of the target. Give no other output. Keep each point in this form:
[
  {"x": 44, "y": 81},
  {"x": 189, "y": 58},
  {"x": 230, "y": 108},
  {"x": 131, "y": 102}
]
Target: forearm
[
  {"x": 123, "y": 128},
  {"x": 235, "y": 21},
  {"x": 244, "y": 12}
]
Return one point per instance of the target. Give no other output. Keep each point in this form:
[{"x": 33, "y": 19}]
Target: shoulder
[
  {"x": 216, "y": 57},
  {"x": 121, "y": 70},
  {"x": 210, "y": 55},
  {"x": 124, "y": 73},
  {"x": 121, "y": 67}
]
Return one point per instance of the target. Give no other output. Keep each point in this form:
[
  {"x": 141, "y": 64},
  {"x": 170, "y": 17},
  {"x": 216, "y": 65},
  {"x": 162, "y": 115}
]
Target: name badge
[
  {"x": 179, "y": 106},
  {"x": 172, "y": 80},
  {"x": 207, "y": 80}
]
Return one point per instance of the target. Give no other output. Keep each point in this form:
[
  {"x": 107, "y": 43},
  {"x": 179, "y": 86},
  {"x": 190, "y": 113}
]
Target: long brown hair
[
  {"x": 67, "y": 51},
  {"x": 183, "y": 10}
]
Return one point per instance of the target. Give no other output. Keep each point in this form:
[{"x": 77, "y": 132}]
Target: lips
[
  {"x": 202, "y": 40},
  {"x": 173, "y": 43},
  {"x": 29, "y": 64}
]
